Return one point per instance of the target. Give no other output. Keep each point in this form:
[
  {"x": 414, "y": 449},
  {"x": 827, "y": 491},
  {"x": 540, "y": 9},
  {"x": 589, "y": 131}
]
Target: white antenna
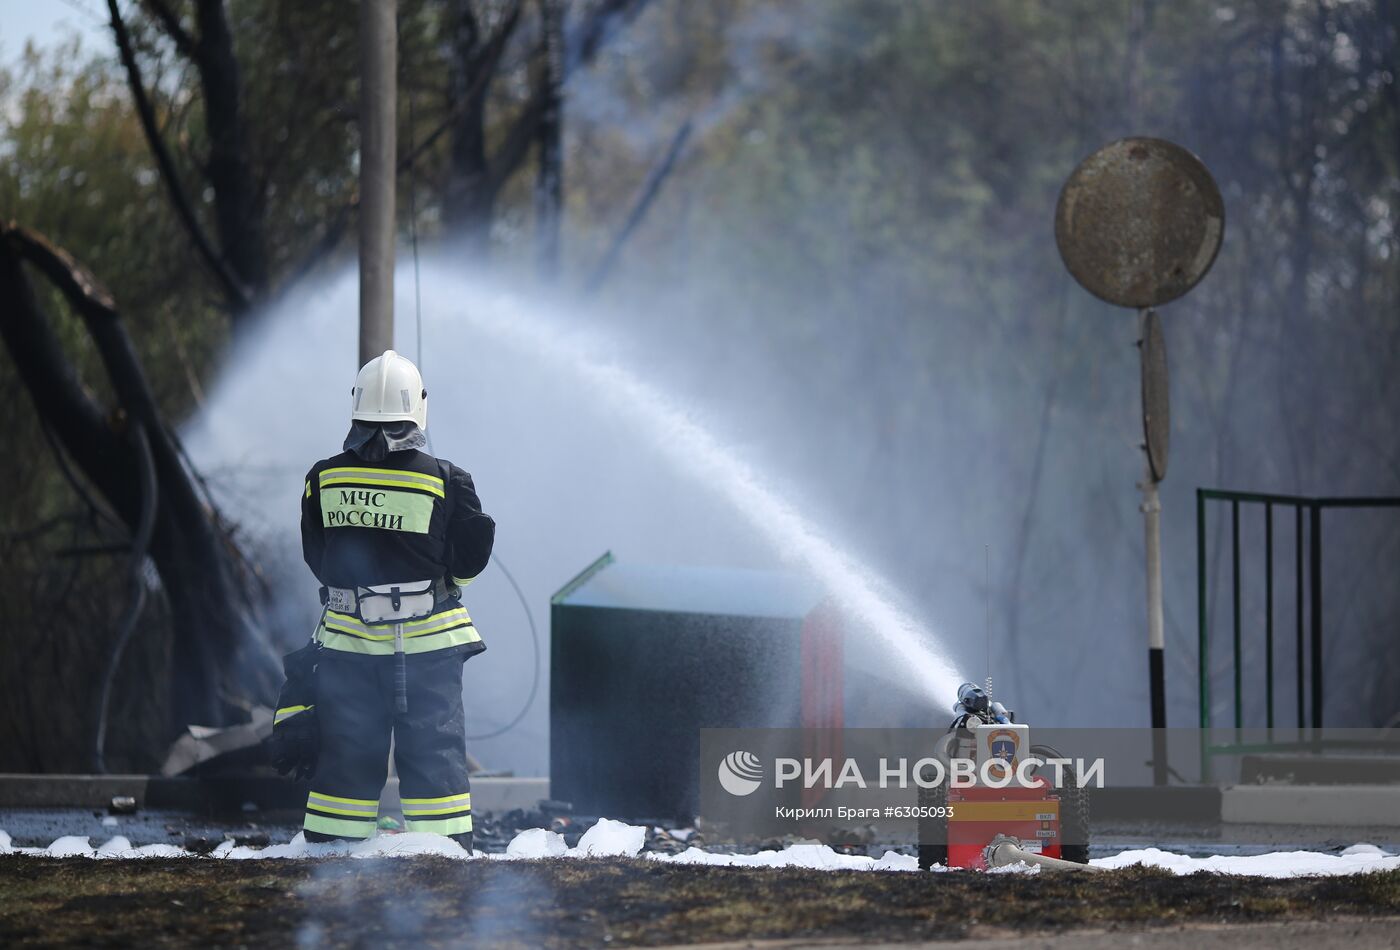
[{"x": 987, "y": 579}]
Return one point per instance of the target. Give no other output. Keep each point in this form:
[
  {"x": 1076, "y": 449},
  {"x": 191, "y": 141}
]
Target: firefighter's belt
[{"x": 384, "y": 603}]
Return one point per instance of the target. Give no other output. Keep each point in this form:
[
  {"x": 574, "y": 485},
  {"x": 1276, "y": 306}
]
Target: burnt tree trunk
[
  {"x": 476, "y": 175},
  {"x": 469, "y": 201},
  {"x": 549, "y": 187},
  {"x": 238, "y": 204},
  {"x": 220, "y": 653},
  {"x": 241, "y": 261}
]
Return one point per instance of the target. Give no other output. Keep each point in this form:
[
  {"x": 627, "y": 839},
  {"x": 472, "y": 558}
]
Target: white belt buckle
[{"x": 415, "y": 600}]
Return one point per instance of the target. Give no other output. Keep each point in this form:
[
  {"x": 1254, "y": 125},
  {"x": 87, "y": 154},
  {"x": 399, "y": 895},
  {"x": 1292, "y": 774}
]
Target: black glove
[{"x": 295, "y": 744}]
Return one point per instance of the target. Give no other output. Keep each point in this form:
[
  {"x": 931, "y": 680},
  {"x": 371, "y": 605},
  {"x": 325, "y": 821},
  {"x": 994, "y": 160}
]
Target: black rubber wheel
[
  {"x": 933, "y": 832},
  {"x": 1074, "y": 810},
  {"x": 1074, "y": 821}
]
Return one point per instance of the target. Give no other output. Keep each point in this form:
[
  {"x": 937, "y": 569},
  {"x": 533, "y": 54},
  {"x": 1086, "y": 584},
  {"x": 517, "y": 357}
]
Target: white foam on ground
[
  {"x": 814, "y": 856},
  {"x": 1359, "y": 858},
  {"x": 536, "y": 843},
  {"x": 610, "y": 838}
]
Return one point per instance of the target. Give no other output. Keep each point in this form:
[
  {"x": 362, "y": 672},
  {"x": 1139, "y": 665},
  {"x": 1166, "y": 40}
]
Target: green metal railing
[{"x": 1313, "y": 641}]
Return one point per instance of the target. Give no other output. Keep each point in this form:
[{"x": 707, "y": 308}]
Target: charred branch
[
  {"x": 469, "y": 197},
  {"x": 169, "y": 21},
  {"x": 464, "y": 104},
  {"x": 604, "y": 22},
  {"x": 549, "y": 186},
  {"x": 136, "y": 584},
  {"x": 479, "y": 180},
  {"x": 233, "y": 288},
  {"x": 237, "y": 198},
  {"x": 222, "y": 648},
  {"x": 644, "y": 201}
]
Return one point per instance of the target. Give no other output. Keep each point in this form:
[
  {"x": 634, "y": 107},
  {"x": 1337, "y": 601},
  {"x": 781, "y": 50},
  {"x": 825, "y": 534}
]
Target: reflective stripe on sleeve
[
  {"x": 462, "y": 581},
  {"x": 287, "y": 712}
]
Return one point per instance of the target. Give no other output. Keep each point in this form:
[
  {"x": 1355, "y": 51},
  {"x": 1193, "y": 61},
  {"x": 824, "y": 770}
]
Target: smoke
[
  {"x": 857, "y": 251},
  {"x": 850, "y": 280},
  {"x": 399, "y": 902},
  {"x": 572, "y": 454}
]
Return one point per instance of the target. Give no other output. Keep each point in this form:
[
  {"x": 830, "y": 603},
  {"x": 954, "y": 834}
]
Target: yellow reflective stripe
[
  {"x": 355, "y": 631},
  {"x": 436, "y": 806},
  {"x": 382, "y": 482},
  {"x": 308, "y": 488},
  {"x": 462, "y": 581},
  {"x": 454, "y": 617},
  {"x": 384, "y": 637},
  {"x": 441, "y": 641},
  {"x": 436, "y": 628},
  {"x": 440, "y": 826},
  {"x": 348, "y": 643},
  {"x": 287, "y": 712},
  {"x": 345, "y": 801},
  {"x": 450, "y": 809},
  {"x": 467, "y": 796},
  {"x": 340, "y": 827},
  {"x": 401, "y": 473},
  {"x": 382, "y": 476},
  {"x": 343, "y": 811}
]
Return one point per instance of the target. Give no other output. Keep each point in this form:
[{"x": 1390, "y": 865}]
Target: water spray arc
[{"x": 695, "y": 450}]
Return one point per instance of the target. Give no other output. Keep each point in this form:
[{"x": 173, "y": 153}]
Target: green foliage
[{"x": 866, "y": 203}]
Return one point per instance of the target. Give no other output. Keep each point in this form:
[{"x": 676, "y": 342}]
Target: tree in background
[
  {"x": 864, "y": 201},
  {"x": 875, "y": 188},
  {"x": 245, "y": 183}
]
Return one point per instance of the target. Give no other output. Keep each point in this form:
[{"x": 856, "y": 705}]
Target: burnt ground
[{"x": 427, "y": 901}]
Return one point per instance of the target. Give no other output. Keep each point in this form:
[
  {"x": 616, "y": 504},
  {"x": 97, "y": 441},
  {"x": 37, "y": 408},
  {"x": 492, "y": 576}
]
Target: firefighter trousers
[{"x": 355, "y": 706}]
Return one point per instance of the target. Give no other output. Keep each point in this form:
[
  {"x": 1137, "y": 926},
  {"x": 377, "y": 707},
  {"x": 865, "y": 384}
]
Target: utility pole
[{"x": 378, "y": 157}]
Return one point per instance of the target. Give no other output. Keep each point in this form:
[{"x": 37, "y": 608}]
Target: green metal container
[{"x": 643, "y": 657}]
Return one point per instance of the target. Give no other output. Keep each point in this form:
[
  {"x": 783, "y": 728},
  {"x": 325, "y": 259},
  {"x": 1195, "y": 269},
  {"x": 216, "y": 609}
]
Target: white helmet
[{"x": 389, "y": 389}]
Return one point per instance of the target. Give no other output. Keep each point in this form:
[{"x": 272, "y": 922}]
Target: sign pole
[
  {"x": 1139, "y": 223},
  {"x": 1152, "y": 524}
]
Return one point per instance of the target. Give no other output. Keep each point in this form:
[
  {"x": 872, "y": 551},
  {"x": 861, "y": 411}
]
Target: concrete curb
[
  {"x": 225, "y": 794},
  {"x": 1375, "y": 805},
  {"x": 1350, "y": 805}
]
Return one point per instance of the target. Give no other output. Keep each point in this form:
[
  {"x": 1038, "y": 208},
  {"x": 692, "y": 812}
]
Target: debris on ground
[{"x": 617, "y": 901}]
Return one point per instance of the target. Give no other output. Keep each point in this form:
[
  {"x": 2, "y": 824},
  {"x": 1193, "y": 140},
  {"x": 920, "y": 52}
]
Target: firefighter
[{"x": 393, "y": 535}]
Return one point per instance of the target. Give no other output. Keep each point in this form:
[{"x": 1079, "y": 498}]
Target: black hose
[
  {"x": 140, "y": 541},
  {"x": 535, "y": 644},
  {"x": 418, "y": 323}
]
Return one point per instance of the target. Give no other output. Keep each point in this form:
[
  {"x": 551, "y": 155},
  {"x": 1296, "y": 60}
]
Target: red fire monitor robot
[{"x": 995, "y": 783}]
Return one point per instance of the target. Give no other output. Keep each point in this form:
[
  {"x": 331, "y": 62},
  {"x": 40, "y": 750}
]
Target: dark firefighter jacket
[{"x": 406, "y": 518}]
